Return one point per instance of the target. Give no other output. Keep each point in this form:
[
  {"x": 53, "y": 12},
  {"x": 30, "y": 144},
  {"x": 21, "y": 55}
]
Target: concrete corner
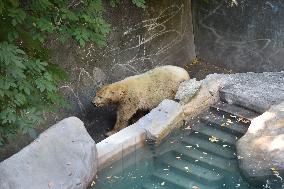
[{"x": 120, "y": 144}]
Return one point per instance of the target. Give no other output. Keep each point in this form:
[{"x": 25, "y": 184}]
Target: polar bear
[{"x": 140, "y": 92}]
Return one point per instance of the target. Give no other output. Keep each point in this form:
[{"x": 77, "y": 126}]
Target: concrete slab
[
  {"x": 120, "y": 144},
  {"x": 255, "y": 91}
]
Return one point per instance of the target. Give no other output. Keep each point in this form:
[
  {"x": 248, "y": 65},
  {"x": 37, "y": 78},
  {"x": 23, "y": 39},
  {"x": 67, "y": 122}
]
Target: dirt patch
[{"x": 199, "y": 69}]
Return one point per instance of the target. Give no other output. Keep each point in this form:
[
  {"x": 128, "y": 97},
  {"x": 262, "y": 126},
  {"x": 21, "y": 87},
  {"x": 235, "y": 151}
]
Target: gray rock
[
  {"x": 62, "y": 157},
  {"x": 261, "y": 149},
  {"x": 187, "y": 90},
  {"x": 255, "y": 91},
  {"x": 161, "y": 120}
]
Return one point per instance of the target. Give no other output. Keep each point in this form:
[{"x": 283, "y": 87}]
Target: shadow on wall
[{"x": 244, "y": 36}]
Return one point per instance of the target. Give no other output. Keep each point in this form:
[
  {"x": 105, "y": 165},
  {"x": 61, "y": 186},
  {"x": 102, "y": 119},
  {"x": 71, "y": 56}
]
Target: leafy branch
[{"x": 28, "y": 81}]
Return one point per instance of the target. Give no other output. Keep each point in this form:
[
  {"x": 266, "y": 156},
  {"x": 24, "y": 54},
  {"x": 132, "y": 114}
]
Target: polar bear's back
[
  {"x": 179, "y": 73},
  {"x": 174, "y": 72},
  {"x": 155, "y": 85}
]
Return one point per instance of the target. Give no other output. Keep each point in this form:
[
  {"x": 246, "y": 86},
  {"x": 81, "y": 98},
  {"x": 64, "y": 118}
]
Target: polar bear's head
[{"x": 108, "y": 94}]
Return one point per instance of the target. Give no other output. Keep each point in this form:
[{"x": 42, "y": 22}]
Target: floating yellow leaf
[
  {"x": 93, "y": 183},
  {"x": 213, "y": 139}
]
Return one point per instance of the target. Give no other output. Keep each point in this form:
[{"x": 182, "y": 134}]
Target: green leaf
[
  {"x": 96, "y": 5},
  {"x": 20, "y": 99},
  {"x": 40, "y": 84},
  {"x": 69, "y": 15},
  {"x": 18, "y": 15},
  {"x": 139, "y": 3}
]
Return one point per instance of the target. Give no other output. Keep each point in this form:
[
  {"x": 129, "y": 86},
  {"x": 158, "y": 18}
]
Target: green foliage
[
  {"x": 27, "y": 88},
  {"x": 28, "y": 82}
]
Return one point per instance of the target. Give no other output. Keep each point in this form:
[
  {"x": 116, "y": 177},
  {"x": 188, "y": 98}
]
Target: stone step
[
  {"x": 215, "y": 135},
  {"x": 234, "y": 111},
  {"x": 191, "y": 170},
  {"x": 151, "y": 185},
  {"x": 225, "y": 124},
  {"x": 205, "y": 145},
  {"x": 211, "y": 161},
  {"x": 176, "y": 181}
]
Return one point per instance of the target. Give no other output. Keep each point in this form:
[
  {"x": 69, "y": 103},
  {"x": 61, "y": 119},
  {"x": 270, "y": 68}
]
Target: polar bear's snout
[{"x": 97, "y": 101}]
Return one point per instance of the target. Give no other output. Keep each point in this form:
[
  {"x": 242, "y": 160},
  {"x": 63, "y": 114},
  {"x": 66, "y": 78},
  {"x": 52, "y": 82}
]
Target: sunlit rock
[
  {"x": 187, "y": 90},
  {"x": 261, "y": 149}
]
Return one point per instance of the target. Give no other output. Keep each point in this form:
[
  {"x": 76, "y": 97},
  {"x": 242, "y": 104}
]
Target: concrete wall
[
  {"x": 245, "y": 37},
  {"x": 140, "y": 40}
]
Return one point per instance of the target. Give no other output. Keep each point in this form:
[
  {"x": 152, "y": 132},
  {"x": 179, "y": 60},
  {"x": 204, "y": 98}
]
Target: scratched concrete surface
[
  {"x": 242, "y": 35},
  {"x": 141, "y": 40}
]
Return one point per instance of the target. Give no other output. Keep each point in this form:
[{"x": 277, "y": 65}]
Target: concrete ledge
[
  {"x": 120, "y": 144},
  {"x": 155, "y": 126}
]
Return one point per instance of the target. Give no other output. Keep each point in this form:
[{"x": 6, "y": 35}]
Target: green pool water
[{"x": 187, "y": 159}]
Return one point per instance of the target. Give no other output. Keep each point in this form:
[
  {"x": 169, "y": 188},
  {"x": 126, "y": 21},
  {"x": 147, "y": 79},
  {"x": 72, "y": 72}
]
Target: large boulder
[
  {"x": 261, "y": 149},
  {"x": 62, "y": 157}
]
